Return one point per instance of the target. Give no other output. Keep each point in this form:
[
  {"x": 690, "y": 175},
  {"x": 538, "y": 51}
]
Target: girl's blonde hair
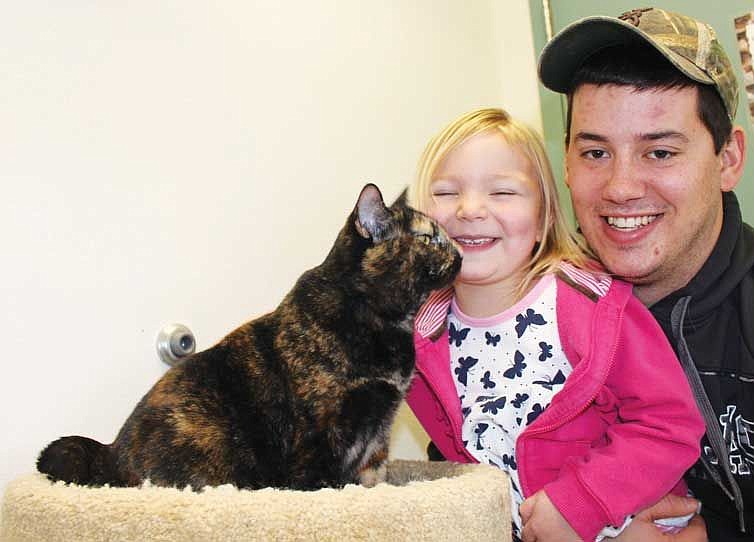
[{"x": 559, "y": 242}]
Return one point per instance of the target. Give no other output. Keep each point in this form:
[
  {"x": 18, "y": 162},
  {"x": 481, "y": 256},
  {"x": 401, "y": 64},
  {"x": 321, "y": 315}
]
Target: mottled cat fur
[{"x": 300, "y": 398}]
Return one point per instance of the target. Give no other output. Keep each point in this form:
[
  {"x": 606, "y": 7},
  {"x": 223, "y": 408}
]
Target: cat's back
[{"x": 218, "y": 417}]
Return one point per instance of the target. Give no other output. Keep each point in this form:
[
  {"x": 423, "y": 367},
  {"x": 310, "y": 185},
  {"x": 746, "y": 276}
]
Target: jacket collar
[{"x": 431, "y": 318}]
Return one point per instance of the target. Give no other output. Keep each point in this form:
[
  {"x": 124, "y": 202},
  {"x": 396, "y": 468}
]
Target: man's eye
[
  {"x": 594, "y": 154},
  {"x": 661, "y": 154}
]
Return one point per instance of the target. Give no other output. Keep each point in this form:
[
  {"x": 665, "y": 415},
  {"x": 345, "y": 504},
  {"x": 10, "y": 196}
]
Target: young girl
[{"x": 534, "y": 361}]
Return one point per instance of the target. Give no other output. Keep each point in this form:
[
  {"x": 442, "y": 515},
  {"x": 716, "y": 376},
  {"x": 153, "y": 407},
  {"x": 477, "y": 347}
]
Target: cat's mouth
[{"x": 445, "y": 273}]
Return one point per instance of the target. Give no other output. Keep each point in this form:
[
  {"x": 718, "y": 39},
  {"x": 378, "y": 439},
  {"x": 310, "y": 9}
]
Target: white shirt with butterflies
[{"x": 506, "y": 370}]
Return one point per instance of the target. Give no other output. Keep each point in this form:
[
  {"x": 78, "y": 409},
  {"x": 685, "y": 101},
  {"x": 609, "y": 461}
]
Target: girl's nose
[{"x": 471, "y": 207}]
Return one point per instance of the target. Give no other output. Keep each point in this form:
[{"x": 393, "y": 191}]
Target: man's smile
[{"x": 630, "y": 223}]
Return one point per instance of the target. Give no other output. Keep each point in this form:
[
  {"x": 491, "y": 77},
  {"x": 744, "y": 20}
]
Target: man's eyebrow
[
  {"x": 588, "y": 136},
  {"x": 666, "y": 134},
  {"x": 651, "y": 136}
]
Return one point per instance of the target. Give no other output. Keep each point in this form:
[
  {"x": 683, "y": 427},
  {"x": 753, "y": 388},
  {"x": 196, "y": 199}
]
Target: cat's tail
[{"x": 80, "y": 460}]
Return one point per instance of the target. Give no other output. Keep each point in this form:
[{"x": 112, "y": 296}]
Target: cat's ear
[
  {"x": 402, "y": 200},
  {"x": 371, "y": 215}
]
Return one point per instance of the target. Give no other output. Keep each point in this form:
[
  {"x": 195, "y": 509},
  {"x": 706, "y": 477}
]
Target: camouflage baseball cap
[{"x": 690, "y": 45}]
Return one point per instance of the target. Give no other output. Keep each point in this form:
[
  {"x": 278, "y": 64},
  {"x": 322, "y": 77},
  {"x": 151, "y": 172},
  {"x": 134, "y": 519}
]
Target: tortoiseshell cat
[{"x": 300, "y": 398}]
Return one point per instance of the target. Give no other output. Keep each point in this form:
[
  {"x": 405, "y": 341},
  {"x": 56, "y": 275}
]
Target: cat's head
[{"x": 403, "y": 254}]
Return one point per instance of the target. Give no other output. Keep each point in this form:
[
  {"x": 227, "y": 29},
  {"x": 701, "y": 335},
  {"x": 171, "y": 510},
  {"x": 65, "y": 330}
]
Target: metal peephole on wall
[{"x": 174, "y": 343}]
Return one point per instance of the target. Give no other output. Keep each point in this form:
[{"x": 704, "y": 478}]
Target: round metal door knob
[{"x": 174, "y": 343}]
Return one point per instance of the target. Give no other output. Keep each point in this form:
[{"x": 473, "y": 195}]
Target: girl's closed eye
[
  {"x": 441, "y": 189},
  {"x": 503, "y": 192},
  {"x": 515, "y": 184}
]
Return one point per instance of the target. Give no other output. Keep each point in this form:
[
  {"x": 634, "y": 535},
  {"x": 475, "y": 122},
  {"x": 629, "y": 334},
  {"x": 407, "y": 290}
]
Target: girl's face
[{"x": 486, "y": 195}]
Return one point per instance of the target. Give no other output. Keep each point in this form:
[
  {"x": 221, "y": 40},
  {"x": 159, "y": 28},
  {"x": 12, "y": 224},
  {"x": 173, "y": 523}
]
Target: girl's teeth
[{"x": 481, "y": 241}]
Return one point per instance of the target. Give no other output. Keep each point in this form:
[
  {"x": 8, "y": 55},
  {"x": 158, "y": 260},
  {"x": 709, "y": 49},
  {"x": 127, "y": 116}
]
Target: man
[{"x": 652, "y": 158}]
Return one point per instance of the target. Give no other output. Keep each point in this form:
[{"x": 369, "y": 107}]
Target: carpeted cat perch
[{"x": 420, "y": 501}]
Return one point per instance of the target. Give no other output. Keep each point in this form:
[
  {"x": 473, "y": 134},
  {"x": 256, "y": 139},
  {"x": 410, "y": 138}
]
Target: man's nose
[{"x": 624, "y": 182}]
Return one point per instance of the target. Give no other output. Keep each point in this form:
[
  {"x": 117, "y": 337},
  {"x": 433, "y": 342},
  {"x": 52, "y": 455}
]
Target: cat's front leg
[
  {"x": 375, "y": 470},
  {"x": 365, "y": 416}
]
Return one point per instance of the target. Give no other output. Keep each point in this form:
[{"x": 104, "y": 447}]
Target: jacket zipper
[{"x": 529, "y": 431}]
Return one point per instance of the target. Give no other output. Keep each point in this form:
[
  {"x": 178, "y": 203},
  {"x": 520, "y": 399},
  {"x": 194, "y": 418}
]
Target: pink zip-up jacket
[{"x": 615, "y": 439}]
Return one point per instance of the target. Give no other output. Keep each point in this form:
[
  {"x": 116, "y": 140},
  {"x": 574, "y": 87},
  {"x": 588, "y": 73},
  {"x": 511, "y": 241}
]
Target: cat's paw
[{"x": 370, "y": 476}]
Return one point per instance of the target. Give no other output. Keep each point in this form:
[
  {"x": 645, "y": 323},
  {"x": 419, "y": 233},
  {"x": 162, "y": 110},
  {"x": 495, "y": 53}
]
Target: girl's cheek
[
  {"x": 434, "y": 213},
  {"x": 441, "y": 214},
  {"x": 443, "y": 219}
]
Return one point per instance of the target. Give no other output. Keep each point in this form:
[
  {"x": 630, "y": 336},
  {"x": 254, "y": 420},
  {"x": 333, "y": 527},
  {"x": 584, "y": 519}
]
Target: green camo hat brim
[{"x": 567, "y": 51}]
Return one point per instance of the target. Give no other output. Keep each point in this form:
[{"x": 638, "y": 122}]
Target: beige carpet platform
[{"x": 420, "y": 501}]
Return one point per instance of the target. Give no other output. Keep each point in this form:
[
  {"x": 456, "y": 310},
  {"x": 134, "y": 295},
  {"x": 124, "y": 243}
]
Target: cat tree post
[{"x": 431, "y": 501}]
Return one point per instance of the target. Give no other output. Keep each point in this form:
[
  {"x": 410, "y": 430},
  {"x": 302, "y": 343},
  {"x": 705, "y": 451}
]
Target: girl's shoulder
[
  {"x": 579, "y": 294},
  {"x": 589, "y": 301},
  {"x": 590, "y": 281}
]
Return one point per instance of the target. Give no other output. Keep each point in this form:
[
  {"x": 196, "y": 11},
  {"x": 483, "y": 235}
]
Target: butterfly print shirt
[{"x": 506, "y": 369}]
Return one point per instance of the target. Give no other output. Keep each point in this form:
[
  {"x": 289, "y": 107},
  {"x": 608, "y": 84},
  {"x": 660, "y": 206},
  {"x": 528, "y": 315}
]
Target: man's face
[{"x": 645, "y": 183}]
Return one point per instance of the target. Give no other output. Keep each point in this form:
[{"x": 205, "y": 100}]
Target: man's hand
[
  {"x": 643, "y": 527},
  {"x": 542, "y": 521}
]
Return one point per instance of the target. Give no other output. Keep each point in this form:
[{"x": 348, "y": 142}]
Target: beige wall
[{"x": 184, "y": 161}]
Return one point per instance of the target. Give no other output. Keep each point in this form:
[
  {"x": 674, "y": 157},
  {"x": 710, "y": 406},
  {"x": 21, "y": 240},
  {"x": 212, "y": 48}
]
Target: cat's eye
[{"x": 424, "y": 238}]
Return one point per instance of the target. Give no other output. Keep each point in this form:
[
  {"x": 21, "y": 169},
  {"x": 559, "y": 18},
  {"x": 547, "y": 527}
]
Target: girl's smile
[{"x": 471, "y": 243}]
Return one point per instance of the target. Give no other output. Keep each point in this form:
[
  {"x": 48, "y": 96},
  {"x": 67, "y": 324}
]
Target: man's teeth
[
  {"x": 630, "y": 222},
  {"x": 477, "y": 241}
]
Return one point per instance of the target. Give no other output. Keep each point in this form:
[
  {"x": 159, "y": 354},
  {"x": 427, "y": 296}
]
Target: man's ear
[
  {"x": 732, "y": 159},
  {"x": 371, "y": 216}
]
